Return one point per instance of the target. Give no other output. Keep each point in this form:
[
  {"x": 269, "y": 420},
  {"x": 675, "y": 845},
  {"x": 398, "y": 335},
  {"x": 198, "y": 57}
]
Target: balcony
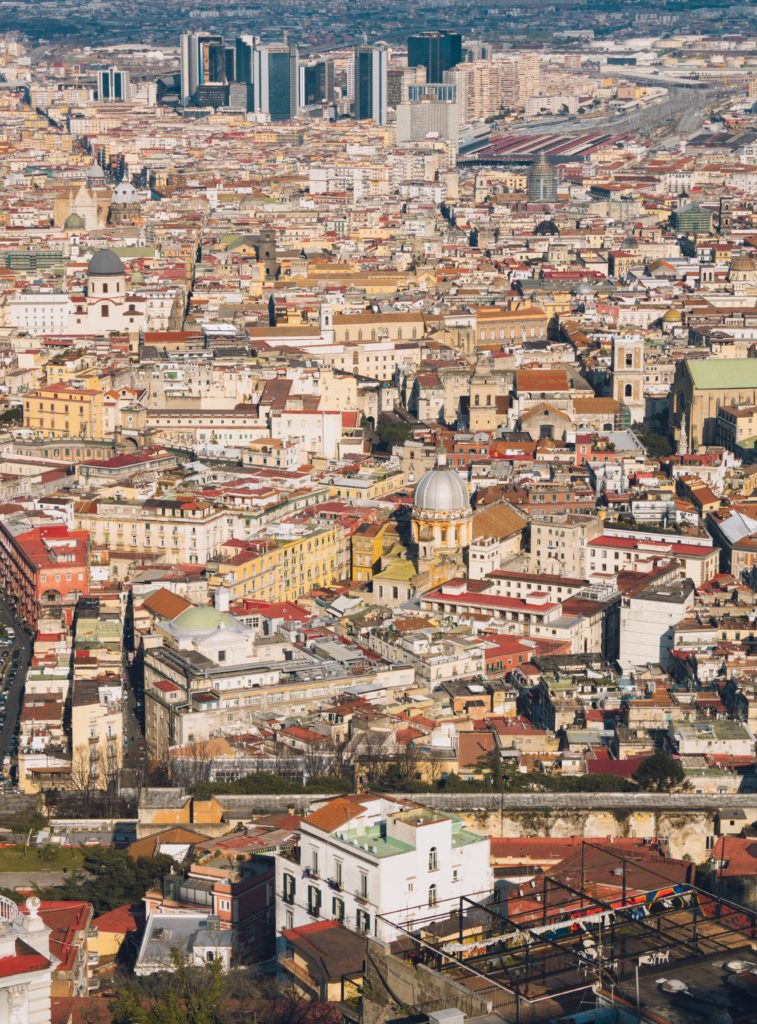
[{"x": 288, "y": 961}]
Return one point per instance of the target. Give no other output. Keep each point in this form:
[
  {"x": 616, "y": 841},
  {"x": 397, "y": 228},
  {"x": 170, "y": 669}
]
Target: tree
[
  {"x": 659, "y": 773},
  {"x": 189, "y": 995},
  {"x": 392, "y": 432},
  {"x": 190, "y": 765},
  {"x": 13, "y": 415},
  {"x": 85, "y": 776},
  {"x": 657, "y": 445},
  {"x": 112, "y": 879},
  {"x": 292, "y": 1009}
]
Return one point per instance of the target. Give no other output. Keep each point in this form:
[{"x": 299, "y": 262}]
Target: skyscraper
[
  {"x": 316, "y": 82},
  {"x": 370, "y": 83},
  {"x": 276, "y": 80},
  {"x": 436, "y": 51},
  {"x": 244, "y": 60},
  {"x": 542, "y": 182},
  {"x": 244, "y": 47},
  {"x": 113, "y": 86},
  {"x": 203, "y": 62}
]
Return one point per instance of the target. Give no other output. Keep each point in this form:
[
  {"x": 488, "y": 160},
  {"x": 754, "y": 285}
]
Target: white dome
[
  {"x": 441, "y": 490},
  {"x": 125, "y": 192}
]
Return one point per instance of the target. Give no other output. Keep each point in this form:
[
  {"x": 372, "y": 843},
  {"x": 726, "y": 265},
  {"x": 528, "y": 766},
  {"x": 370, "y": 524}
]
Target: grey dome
[
  {"x": 441, "y": 490},
  {"x": 105, "y": 263},
  {"x": 95, "y": 172}
]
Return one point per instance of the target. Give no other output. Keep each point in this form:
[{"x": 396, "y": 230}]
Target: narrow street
[{"x": 13, "y": 680}]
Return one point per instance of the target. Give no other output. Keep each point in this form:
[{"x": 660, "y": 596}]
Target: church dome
[
  {"x": 672, "y": 316},
  {"x": 441, "y": 490},
  {"x": 743, "y": 263},
  {"x": 546, "y": 227},
  {"x": 95, "y": 173},
  {"x": 105, "y": 263},
  {"x": 124, "y": 193},
  {"x": 74, "y": 222}
]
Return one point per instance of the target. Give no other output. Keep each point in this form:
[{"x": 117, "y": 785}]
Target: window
[
  {"x": 289, "y": 889},
  {"x": 337, "y": 909},
  {"x": 104, "y": 310},
  {"x": 338, "y": 872},
  {"x": 209, "y": 956},
  {"x": 314, "y": 861},
  {"x": 314, "y": 900},
  {"x": 222, "y": 655},
  {"x": 105, "y": 288},
  {"x": 363, "y": 921},
  {"x": 628, "y": 390},
  {"x": 289, "y": 919},
  {"x": 432, "y": 895},
  {"x": 363, "y": 885},
  {"x": 629, "y": 359},
  {"x": 433, "y": 860},
  {"x": 455, "y": 874}
]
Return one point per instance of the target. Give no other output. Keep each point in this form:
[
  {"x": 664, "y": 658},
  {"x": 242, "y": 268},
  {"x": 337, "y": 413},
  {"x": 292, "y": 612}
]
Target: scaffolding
[{"x": 550, "y": 947}]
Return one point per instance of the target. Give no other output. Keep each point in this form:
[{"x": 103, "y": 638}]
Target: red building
[{"x": 44, "y": 570}]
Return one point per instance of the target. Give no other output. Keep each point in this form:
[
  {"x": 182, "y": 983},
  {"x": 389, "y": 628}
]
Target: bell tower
[{"x": 628, "y": 375}]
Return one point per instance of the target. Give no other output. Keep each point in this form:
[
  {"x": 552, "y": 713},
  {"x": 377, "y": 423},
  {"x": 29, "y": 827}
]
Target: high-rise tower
[
  {"x": 542, "y": 181},
  {"x": 370, "y": 83},
  {"x": 436, "y": 51},
  {"x": 275, "y": 80}
]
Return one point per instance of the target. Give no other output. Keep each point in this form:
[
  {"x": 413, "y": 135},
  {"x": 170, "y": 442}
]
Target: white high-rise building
[
  {"x": 113, "y": 86},
  {"x": 428, "y": 117}
]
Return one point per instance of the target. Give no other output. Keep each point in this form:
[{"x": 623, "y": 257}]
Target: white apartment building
[
  {"x": 184, "y": 531},
  {"x": 648, "y": 620},
  {"x": 624, "y": 550},
  {"x": 365, "y": 858}
]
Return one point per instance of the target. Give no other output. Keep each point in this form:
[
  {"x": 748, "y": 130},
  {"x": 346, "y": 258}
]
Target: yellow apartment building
[
  {"x": 495, "y": 326},
  {"x": 283, "y": 570},
  {"x": 367, "y": 548},
  {"x": 61, "y": 410}
]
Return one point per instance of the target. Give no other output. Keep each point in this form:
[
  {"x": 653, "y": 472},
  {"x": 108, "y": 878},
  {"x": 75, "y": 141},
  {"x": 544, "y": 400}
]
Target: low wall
[{"x": 686, "y": 820}]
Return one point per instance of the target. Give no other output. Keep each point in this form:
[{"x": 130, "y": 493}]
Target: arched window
[
  {"x": 628, "y": 390},
  {"x": 432, "y": 895},
  {"x": 433, "y": 861}
]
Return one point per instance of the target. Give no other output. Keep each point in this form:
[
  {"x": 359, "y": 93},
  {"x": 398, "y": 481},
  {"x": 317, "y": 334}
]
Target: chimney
[{"x": 222, "y": 599}]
